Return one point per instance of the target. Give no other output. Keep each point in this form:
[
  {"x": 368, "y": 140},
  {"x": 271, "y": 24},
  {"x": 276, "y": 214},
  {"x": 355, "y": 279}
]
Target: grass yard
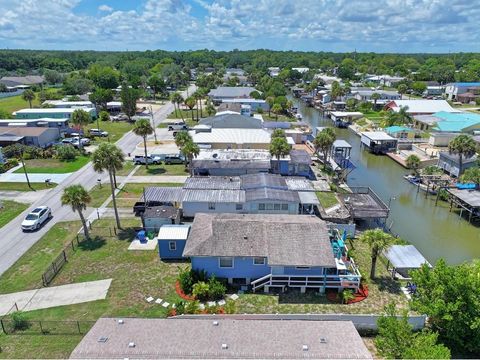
[
  {"x": 327, "y": 199},
  {"x": 129, "y": 195},
  {"x": 54, "y": 166},
  {"x": 99, "y": 194},
  {"x": 10, "y": 210},
  {"x": 128, "y": 166},
  {"x": 14, "y": 103},
  {"x": 280, "y": 117},
  {"x": 22, "y": 186},
  {"x": 115, "y": 129},
  {"x": 174, "y": 169}
]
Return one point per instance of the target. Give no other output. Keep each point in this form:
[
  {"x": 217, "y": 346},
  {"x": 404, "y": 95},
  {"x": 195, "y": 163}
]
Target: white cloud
[
  {"x": 105, "y": 8},
  {"x": 439, "y": 25}
]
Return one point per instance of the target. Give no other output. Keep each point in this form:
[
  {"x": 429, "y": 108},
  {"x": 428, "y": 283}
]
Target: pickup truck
[
  {"x": 139, "y": 207},
  {"x": 178, "y": 125},
  {"x": 140, "y": 160}
]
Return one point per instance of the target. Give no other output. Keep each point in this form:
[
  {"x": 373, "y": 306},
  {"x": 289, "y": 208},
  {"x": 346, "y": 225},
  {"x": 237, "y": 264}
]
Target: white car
[
  {"x": 98, "y": 132},
  {"x": 85, "y": 141},
  {"x": 35, "y": 219}
]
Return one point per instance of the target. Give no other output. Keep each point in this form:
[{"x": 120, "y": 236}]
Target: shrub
[
  {"x": 230, "y": 307},
  {"x": 347, "y": 295},
  {"x": 216, "y": 289},
  {"x": 19, "y": 321},
  {"x": 186, "y": 280},
  {"x": 104, "y": 116},
  {"x": 201, "y": 290},
  {"x": 192, "y": 307},
  {"x": 66, "y": 152},
  {"x": 180, "y": 307}
]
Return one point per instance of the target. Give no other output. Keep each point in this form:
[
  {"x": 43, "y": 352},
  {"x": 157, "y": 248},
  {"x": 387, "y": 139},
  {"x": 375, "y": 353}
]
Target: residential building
[
  {"x": 230, "y": 92},
  {"x": 453, "y": 90},
  {"x": 171, "y": 241},
  {"x": 274, "y": 71},
  {"x": 232, "y": 138},
  {"x": 384, "y": 80},
  {"x": 378, "y": 142},
  {"x": 471, "y": 96},
  {"x": 342, "y": 119},
  {"x": 254, "y": 103},
  {"x": 459, "y": 122},
  {"x": 35, "y": 136},
  {"x": 61, "y": 104},
  {"x": 60, "y": 124},
  {"x": 22, "y": 81},
  {"x": 400, "y": 132},
  {"x": 154, "y": 217},
  {"x": 450, "y": 163},
  {"x": 53, "y": 113},
  {"x": 270, "y": 251},
  {"x": 434, "y": 90},
  {"x": 384, "y": 95},
  {"x": 420, "y": 107},
  {"x": 242, "y": 337},
  {"x": 230, "y": 120},
  {"x": 301, "y": 70}
]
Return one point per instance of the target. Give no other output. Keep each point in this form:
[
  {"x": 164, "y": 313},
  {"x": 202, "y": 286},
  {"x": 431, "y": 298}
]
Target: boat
[
  {"x": 298, "y": 116},
  {"x": 417, "y": 181},
  {"x": 412, "y": 179}
]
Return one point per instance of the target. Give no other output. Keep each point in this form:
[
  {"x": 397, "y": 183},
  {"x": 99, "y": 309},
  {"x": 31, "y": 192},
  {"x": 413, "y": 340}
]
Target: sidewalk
[{"x": 55, "y": 296}]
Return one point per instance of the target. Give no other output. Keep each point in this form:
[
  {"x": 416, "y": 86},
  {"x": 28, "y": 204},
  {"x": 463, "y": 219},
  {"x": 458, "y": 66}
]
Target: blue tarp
[{"x": 467, "y": 186}]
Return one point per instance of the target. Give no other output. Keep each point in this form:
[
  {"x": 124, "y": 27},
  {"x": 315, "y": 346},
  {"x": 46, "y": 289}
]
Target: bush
[
  {"x": 230, "y": 307},
  {"x": 19, "y": 321},
  {"x": 186, "y": 280},
  {"x": 66, "y": 152},
  {"x": 201, "y": 291},
  {"x": 192, "y": 307},
  {"x": 180, "y": 307},
  {"x": 216, "y": 289},
  {"x": 104, "y": 116}
]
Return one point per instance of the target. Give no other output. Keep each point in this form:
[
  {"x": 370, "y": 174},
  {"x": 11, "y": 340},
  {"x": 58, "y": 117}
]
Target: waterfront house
[
  {"x": 171, "y": 241},
  {"x": 453, "y": 90},
  {"x": 420, "y": 107},
  {"x": 463, "y": 122},
  {"x": 400, "y": 132},
  {"x": 232, "y": 138},
  {"x": 342, "y": 119},
  {"x": 230, "y": 92},
  {"x": 384, "y": 95},
  {"x": 230, "y": 120},
  {"x": 450, "y": 163},
  {"x": 221, "y": 338},
  {"x": 53, "y": 113},
  {"x": 270, "y": 251},
  {"x": 378, "y": 142},
  {"x": 32, "y": 136},
  {"x": 255, "y": 104}
]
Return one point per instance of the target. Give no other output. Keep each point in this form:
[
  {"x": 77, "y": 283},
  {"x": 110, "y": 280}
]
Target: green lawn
[
  {"x": 54, "y": 166},
  {"x": 10, "y": 210},
  {"x": 115, "y": 129},
  {"x": 327, "y": 199},
  {"x": 175, "y": 169},
  {"x": 17, "y": 186},
  {"x": 128, "y": 166},
  {"x": 280, "y": 117},
  {"x": 99, "y": 194},
  {"x": 14, "y": 103},
  {"x": 130, "y": 194},
  {"x": 187, "y": 116}
]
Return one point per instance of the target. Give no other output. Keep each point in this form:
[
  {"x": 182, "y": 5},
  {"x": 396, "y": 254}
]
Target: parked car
[
  {"x": 98, "y": 132},
  {"x": 35, "y": 219},
  {"x": 67, "y": 141},
  {"x": 76, "y": 141},
  {"x": 177, "y": 125},
  {"x": 140, "y": 160},
  {"x": 174, "y": 159}
]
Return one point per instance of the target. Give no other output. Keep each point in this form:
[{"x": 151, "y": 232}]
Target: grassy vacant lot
[
  {"x": 174, "y": 169},
  {"x": 21, "y": 186},
  {"x": 10, "y": 210},
  {"x": 115, "y": 129},
  {"x": 54, "y": 166},
  {"x": 327, "y": 199},
  {"x": 14, "y": 103}
]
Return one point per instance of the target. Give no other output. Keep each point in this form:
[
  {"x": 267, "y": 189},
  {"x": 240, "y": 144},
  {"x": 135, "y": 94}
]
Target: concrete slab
[
  {"x": 137, "y": 245},
  {"x": 55, "y": 296}
]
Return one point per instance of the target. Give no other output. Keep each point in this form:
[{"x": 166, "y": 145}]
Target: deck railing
[{"x": 317, "y": 282}]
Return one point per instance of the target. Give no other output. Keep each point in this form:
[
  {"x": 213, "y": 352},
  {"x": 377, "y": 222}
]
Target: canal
[{"x": 435, "y": 231}]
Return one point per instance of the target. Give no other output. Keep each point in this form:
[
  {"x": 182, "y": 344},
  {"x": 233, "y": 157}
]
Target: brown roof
[
  {"x": 285, "y": 240},
  {"x": 178, "y": 338}
]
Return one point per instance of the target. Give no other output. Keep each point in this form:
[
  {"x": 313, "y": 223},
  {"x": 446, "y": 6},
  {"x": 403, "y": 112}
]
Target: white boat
[{"x": 298, "y": 116}]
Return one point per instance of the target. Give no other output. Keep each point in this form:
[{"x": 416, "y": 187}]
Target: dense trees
[{"x": 129, "y": 97}]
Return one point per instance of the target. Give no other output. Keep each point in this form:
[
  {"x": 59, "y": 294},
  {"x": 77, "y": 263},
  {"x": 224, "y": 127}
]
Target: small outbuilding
[
  {"x": 403, "y": 258},
  {"x": 155, "y": 217},
  {"x": 378, "y": 142},
  {"x": 171, "y": 241}
]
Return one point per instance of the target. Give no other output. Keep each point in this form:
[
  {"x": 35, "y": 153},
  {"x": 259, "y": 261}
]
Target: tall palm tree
[
  {"x": 143, "y": 128},
  {"x": 375, "y": 97},
  {"x": 28, "y": 95},
  {"x": 182, "y": 138},
  {"x": 190, "y": 150},
  {"x": 173, "y": 100},
  {"x": 464, "y": 146},
  {"x": 323, "y": 143},
  {"x": 270, "y": 101},
  {"x": 80, "y": 118},
  {"x": 378, "y": 241},
  {"x": 190, "y": 102},
  {"x": 178, "y": 99},
  {"x": 276, "y": 109},
  {"x": 108, "y": 157},
  {"x": 413, "y": 163},
  {"x": 279, "y": 148},
  {"x": 78, "y": 198}
]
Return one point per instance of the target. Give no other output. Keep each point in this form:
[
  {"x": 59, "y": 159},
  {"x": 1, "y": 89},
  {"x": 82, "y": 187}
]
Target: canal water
[{"x": 436, "y": 232}]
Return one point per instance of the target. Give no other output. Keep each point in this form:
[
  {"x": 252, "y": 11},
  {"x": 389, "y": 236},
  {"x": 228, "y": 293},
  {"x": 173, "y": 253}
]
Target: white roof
[
  {"x": 114, "y": 103},
  {"x": 290, "y": 141},
  {"x": 232, "y": 136},
  {"x": 173, "y": 232},
  {"x": 69, "y": 103},
  {"x": 308, "y": 197},
  {"x": 377, "y": 135},
  {"x": 423, "y": 106},
  {"x": 52, "y": 110},
  {"x": 346, "y": 113}
]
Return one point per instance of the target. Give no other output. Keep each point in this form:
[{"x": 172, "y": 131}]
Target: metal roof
[
  {"x": 232, "y": 91},
  {"x": 300, "y": 157},
  {"x": 232, "y": 136},
  {"x": 471, "y": 197},
  {"x": 217, "y": 196},
  {"x": 229, "y": 120},
  {"x": 298, "y": 183},
  {"x": 405, "y": 257},
  {"x": 266, "y": 193},
  {"x": 253, "y": 181},
  {"x": 163, "y": 194},
  {"x": 308, "y": 197},
  {"x": 377, "y": 135},
  {"x": 340, "y": 143},
  {"x": 173, "y": 232},
  {"x": 213, "y": 183}
]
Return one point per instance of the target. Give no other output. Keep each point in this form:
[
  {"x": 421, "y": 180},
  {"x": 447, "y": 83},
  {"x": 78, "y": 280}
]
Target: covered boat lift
[{"x": 402, "y": 259}]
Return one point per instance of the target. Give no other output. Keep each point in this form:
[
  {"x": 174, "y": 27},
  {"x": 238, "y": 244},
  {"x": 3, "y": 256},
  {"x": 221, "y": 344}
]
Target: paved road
[{"x": 14, "y": 243}]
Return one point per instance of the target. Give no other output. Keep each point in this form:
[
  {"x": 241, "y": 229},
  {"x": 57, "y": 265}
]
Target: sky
[{"x": 306, "y": 25}]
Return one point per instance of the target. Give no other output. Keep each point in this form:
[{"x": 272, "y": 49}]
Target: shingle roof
[
  {"x": 232, "y": 91},
  {"x": 232, "y": 121},
  {"x": 286, "y": 240},
  {"x": 166, "y": 212},
  {"x": 182, "y": 338},
  {"x": 300, "y": 157}
]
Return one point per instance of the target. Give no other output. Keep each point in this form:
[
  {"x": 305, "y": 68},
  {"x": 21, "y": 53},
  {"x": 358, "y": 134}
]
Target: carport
[{"x": 403, "y": 258}]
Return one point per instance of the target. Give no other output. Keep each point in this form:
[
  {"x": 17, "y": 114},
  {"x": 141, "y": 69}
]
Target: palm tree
[
  {"x": 190, "y": 102},
  {"x": 80, "y": 118},
  {"x": 78, "y": 198},
  {"x": 28, "y": 95},
  {"x": 413, "y": 162},
  {"x": 198, "y": 99},
  {"x": 278, "y": 133},
  {"x": 190, "y": 150},
  {"x": 210, "y": 109},
  {"x": 463, "y": 145},
  {"x": 375, "y": 97},
  {"x": 378, "y": 241},
  {"x": 403, "y": 116},
  {"x": 108, "y": 157},
  {"x": 402, "y": 89},
  {"x": 276, "y": 109},
  {"x": 173, "y": 100},
  {"x": 323, "y": 142},
  {"x": 278, "y": 148},
  {"x": 178, "y": 99},
  {"x": 270, "y": 101},
  {"x": 143, "y": 128},
  {"x": 471, "y": 175},
  {"x": 182, "y": 138}
]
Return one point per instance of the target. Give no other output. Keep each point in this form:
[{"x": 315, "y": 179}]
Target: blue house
[
  {"x": 270, "y": 251},
  {"x": 171, "y": 241}
]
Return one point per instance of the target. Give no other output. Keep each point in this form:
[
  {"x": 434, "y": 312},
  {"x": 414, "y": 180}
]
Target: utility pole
[
  {"x": 25, "y": 170},
  {"x": 153, "y": 125}
]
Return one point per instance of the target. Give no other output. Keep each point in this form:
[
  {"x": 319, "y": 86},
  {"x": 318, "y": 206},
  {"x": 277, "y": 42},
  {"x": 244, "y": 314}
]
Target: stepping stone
[
  {"x": 222, "y": 302},
  {"x": 149, "y": 299},
  {"x": 201, "y": 306},
  {"x": 234, "y": 297},
  {"x": 158, "y": 301},
  {"x": 174, "y": 306},
  {"x": 166, "y": 304},
  {"x": 211, "y": 303}
]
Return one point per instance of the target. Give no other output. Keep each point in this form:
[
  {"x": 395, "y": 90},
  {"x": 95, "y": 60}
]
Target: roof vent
[
  {"x": 215, "y": 323},
  {"x": 305, "y": 347},
  {"x": 245, "y": 237},
  {"x": 121, "y": 321},
  {"x": 102, "y": 339},
  {"x": 323, "y": 340},
  {"x": 131, "y": 344},
  {"x": 224, "y": 346}
]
